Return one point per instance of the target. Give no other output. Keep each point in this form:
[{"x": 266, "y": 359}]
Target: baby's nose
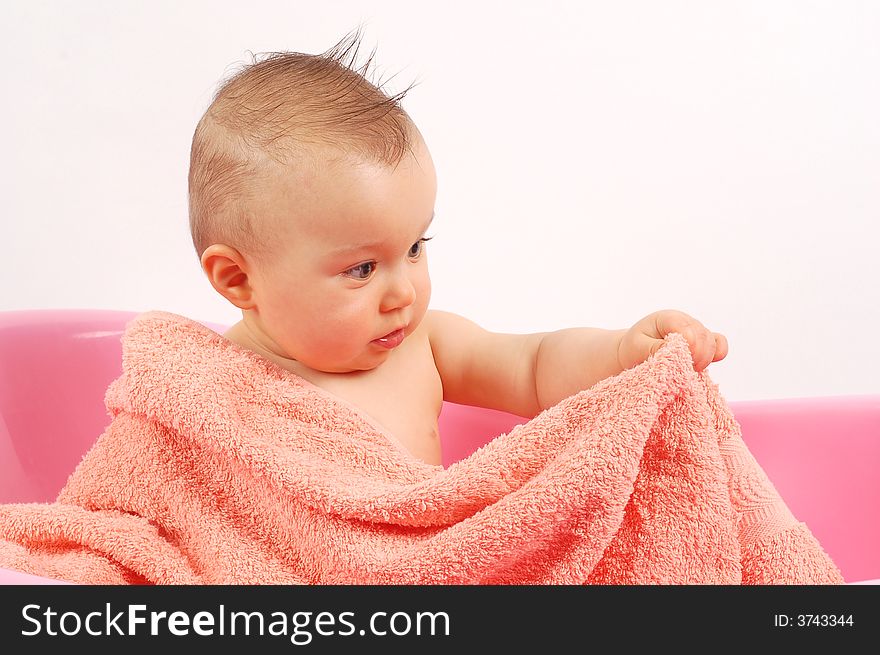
[{"x": 401, "y": 292}]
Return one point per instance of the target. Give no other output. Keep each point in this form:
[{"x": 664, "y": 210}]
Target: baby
[{"x": 311, "y": 196}]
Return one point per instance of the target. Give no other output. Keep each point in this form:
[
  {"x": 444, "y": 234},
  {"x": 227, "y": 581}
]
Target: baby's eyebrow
[{"x": 375, "y": 244}]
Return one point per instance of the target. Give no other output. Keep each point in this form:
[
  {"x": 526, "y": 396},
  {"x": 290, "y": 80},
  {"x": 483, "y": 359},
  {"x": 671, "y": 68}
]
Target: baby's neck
[{"x": 241, "y": 335}]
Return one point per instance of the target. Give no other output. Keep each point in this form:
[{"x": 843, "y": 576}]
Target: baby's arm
[
  {"x": 577, "y": 358},
  {"x": 574, "y": 359},
  {"x": 518, "y": 373},
  {"x": 483, "y": 368},
  {"x": 527, "y": 373}
]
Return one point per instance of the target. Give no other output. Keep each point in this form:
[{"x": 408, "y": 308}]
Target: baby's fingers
[
  {"x": 720, "y": 347},
  {"x": 702, "y": 345}
]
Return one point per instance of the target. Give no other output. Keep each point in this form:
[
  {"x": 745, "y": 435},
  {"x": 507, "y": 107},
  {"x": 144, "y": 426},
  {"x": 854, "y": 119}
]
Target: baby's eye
[
  {"x": 361, "y": 271},
  {"x": 417, "y": 247}
]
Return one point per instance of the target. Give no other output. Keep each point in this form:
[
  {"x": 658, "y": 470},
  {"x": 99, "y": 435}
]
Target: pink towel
[{"x": 219, "y": 467}]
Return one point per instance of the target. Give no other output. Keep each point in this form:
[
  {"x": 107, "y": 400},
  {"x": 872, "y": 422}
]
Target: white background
[{"x": 596, "y": 161}]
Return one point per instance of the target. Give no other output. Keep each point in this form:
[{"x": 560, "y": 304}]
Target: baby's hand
[{"x": 645, "y": 337}]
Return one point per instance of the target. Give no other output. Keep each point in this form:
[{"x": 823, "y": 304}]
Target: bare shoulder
[
  {"x": 454, "y": 339},
  {"x": 439, "y": 324},
  {"x": 483, "y": 368},
  {"x": 451, "y": 338}
]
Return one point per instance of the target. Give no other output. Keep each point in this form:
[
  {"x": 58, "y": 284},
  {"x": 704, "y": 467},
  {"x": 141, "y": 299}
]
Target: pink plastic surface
[{"x": 823, "y": 454}]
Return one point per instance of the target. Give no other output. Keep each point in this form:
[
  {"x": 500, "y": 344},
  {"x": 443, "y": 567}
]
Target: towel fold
[{"x": 219, "y": 467}]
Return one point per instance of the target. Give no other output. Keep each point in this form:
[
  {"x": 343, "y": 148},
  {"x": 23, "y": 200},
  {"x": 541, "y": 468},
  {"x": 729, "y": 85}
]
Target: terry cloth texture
[{"x": 219, "y": 467}]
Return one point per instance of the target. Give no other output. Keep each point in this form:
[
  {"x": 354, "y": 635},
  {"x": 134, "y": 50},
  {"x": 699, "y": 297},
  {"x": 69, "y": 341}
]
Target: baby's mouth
[{"x": 391, "y": 340}]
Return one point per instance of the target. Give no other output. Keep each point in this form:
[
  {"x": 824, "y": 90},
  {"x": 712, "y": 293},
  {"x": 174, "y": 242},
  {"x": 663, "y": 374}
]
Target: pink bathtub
[{"x": 823, "y": 454}]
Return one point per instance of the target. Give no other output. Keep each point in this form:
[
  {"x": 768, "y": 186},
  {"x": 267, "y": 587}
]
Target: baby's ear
[{"x": 227, "y": 272}]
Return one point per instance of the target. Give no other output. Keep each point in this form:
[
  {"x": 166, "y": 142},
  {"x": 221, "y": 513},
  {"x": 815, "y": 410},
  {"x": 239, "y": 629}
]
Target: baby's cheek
[
  {"x": 426, "y": 294},
  {"x": 423, "y": 293},
  {"x": 342, "y": 329}
]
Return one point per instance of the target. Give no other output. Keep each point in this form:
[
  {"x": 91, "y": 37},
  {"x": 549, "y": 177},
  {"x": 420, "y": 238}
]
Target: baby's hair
[{"x": 287, "y": 109}]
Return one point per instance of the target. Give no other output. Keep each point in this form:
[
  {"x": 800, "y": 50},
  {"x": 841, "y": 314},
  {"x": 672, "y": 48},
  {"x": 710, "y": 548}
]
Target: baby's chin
[{"x": 353, "y": 367}]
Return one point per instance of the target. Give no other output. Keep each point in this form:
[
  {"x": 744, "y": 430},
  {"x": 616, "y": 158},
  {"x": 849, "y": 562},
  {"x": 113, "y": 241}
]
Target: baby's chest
[
  {"x": 414, "y": 427},
  {"x": 405, "y": 396},
  {"x": 407, "y": 404}
]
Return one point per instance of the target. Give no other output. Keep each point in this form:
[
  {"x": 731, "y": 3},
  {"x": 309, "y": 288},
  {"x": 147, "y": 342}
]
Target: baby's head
[{"x": 310, "y": 194}]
